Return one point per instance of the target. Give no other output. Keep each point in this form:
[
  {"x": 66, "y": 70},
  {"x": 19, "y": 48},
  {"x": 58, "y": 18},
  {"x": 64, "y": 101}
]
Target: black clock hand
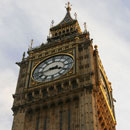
[
  {"x": 55, "y": 67},
  {"x": 59, "y": 67},
  {"x": 52, "y": 68}
]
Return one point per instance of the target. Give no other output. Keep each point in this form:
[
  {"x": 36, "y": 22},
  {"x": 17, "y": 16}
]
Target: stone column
[
  {"x": 28, "y": 73},
  {"x": 70, "y": 84},
  {"x": 40, "y": 93},
  {"x": 18, "y": 122}
]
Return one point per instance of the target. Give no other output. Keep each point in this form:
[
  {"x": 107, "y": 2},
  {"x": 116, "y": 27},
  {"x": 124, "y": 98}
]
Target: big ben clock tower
[{"x": 62, "y": 84}]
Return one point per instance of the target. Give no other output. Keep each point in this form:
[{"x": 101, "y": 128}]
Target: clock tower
[{"x": 62, "y": 84}]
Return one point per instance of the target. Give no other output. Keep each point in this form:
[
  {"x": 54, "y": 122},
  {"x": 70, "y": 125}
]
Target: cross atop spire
[{"x": 68, "y": 6}]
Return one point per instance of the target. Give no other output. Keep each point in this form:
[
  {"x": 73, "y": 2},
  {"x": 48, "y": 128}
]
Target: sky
[{"x": 108, "y": 22}]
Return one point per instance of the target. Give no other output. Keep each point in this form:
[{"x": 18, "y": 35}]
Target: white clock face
[{"x": 52, "y": 68}]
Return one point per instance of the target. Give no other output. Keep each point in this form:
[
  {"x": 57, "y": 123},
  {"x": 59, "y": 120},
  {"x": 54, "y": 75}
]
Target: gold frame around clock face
[{"x": 52, "y": 67}]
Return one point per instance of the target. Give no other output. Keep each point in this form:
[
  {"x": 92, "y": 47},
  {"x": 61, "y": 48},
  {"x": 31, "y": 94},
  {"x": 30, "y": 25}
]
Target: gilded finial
[
  {"x": 68, "y": 6},
  {"x": 85, "y": 27},
  {"x": 75, "y": 14}
]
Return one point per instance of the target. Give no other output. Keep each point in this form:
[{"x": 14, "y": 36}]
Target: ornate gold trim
[
  {"x": 107, "y": 82},
  {"x": 108, "y": 105}
]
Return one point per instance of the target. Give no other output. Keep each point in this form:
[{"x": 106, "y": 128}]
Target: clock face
[{"x": 52, "y": 68}]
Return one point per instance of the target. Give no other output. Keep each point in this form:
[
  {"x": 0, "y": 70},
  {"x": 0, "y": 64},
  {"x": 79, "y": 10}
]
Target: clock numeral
[
  {"x": 66, "y": 62},
  {"x": 49, "y": 62},
  {"x": 39, "y": 67},
  {"x": 57, "y": 59},
  {"x": 49, "y": 77},
  {"x": 44, "y": 65},
  {"x": 40, "y": 75},
  {"x": 43, "y": 76},
  {"x": 57, "y": 74},
  {"x": 62, "y": 60},
  {"x": 53, "y": 59},
  {"x": 62, "y": 71}
]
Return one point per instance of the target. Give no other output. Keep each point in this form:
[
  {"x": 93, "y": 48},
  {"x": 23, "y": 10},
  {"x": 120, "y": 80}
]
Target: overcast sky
[{"x": 108, "y": 22}]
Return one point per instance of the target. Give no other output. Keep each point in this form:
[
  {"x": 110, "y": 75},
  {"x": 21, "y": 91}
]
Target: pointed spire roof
[{"x": 67, "y": 19}]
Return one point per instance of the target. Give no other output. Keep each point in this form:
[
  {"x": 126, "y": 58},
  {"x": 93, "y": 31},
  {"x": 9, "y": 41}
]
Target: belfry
[{"x": 62, "y": 85}]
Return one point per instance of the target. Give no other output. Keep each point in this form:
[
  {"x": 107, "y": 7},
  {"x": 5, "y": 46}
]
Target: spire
[
  {"x": 68, "y": 26},
  {"x": 68, "y": 8},
  {"x": 67, "y": 19}
]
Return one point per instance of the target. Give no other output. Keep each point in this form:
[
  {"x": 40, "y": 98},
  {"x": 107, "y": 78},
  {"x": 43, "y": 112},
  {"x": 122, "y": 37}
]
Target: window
[
  {"x": 30, "y": 96},
  {"x": 45, "y": 124},
  {"x": 60, "y": 120},
  {"x": 59, "y": 88},
  {"x": 87, "y": 66},
  {"x": 74, "y": 84},
  {"x": 44, "y": 91},
  {"x": 86, "y": 56},
  {"x": 81, "y": 67},
  {"x": 81, "y": 58},
  {"x": 37, "y": 123},
  {"x": 69, "y": 117}
]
